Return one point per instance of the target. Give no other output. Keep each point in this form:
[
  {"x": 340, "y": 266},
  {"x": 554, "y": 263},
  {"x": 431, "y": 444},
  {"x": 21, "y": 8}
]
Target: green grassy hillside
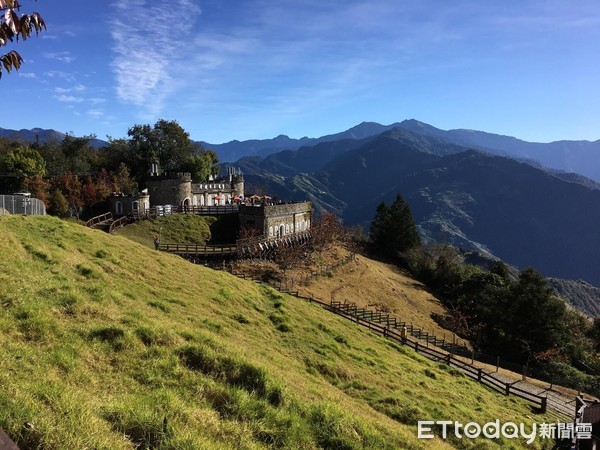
[{"x": 108, "y": 344}]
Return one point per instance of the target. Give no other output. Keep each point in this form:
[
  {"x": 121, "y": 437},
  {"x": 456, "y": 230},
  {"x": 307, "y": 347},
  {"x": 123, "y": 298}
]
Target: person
[{"x": 156, "y": 242}]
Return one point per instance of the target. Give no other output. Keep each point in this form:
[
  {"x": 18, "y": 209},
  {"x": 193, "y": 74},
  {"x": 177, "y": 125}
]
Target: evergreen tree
[
  {"x": 537, "y": 317},
  {"x": 393, "y": 229}
]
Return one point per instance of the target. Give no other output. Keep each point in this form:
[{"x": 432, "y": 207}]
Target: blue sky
[{"x": 230, "y": 69}]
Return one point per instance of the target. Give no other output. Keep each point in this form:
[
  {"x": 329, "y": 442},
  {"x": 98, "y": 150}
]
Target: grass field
[{"x": 107, "y": 344}]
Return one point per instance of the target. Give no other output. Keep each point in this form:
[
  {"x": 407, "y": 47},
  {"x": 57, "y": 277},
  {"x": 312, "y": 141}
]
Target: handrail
[
  {"x": 98, "y": 219},
  {"x": 120, "y": 222}
]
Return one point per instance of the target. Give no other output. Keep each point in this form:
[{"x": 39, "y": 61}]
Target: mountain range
[
  {"x": 42, "y": 136},
  {"x": 503, "y": 206}
]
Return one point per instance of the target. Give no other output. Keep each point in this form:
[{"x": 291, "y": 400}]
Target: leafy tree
[
  {"x": 24, "y": 161},
  {"x": 71, "y": 188},
  {"x": 393, "y": 229},
  {"x": 56, "y": 162},
  {"x": 57, "y": 204},
  {"x": 166, "y": 144},
  {"x": 78, "y": 153},
  {"x": 111, "y": 156},
  {"x": 89, "y": 192},
  {"x": 123, "y": 181},
  {"x": 13, "y": 28},
  {"x": 38, "y": 188},
  {"x": 594, "y": 333},
  {"x": 202, "y": 164},
  {"x": 105, "y": 185}
]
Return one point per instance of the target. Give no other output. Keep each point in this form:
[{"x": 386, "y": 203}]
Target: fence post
[
  {"x": 403, "y": 334},
  {"x": 479, "y": 374},
  {"x": 498, "y": 364},
  {"x": 473, "y": 356},
  {"x": 507, "y": 389},
  {"x": 544, "y": 405}
]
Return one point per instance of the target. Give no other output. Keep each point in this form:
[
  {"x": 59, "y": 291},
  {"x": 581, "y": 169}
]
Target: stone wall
[
  {"x": 277, "y": 220},
  {"x": 121, "y": 204}
]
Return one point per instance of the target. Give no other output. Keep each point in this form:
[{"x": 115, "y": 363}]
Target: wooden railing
[
  {"x": 98, "y": 219},
  {"x": 120, "y": 222},
  {"x": 191, "y": 250}
]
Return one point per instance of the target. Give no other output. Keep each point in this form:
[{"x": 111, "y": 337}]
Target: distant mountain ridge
[
  {"x": 519, "y": 212},
  {"x": 234, "y": 150},
  {"x": 43, "y": 136},
  {"x": 581, "y": 157}
]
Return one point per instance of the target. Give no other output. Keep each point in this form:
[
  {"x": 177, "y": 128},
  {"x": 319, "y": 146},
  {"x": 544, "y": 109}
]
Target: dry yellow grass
[{"x": 369, "y": 284}]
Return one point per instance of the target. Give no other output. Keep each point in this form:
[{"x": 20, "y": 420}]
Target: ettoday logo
[{"x": 508, "y": 430}]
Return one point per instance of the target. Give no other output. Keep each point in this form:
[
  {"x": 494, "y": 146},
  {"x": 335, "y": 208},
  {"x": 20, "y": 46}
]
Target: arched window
[
  {"x": 135, "y": 206},
  {"x": 281, "y": 230},
  {"x": 270, "y": 231},
  {"x": 118, "y": 208},
  {"x": 287, "y": 228},
  {"x": 202, "y": 200},
  {"x": 195, "y": 201}
]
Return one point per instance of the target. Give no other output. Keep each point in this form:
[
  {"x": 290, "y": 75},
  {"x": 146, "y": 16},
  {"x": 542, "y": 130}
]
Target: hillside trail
[{"x": 380, "y": 286}]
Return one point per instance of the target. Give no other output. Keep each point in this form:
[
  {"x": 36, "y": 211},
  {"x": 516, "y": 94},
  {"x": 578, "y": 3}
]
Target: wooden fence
[
  {"x": 157, "y": 211},
  {"x": 191, "y": 250}
]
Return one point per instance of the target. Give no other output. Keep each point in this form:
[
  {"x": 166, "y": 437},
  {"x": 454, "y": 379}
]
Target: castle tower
[
  {"x": 236, "y": 179},
  {"x": 170, "y": 189}
]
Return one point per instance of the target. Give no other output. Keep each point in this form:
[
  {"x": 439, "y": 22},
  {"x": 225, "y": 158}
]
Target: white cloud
[
  {"x": 95, "y": 113},
  {"x": 59, "y": 74},
  {"x": 150, "y": 48},
  {"x": 65, "y": 57},
  {"x": 69, "y": 98}
]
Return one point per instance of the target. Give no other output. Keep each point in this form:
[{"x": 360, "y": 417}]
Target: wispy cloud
[
  {"x": 95, "y": 113},
  {"x": 69, "y": 98},
  {"x": 65, "y": 57},
  {"x": 150, "y": 49},
  {"x": 60, "y": 75}
]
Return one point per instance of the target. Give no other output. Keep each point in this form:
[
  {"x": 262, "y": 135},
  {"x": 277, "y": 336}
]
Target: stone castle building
[
  {"x": 276, "y": 220},
  {"x": 178, "y": 191}
]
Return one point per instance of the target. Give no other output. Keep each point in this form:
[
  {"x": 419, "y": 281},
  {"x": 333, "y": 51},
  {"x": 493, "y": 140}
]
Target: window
[
  {"x": 135, "y": 206},
  {"x": 118, "y": 208}
]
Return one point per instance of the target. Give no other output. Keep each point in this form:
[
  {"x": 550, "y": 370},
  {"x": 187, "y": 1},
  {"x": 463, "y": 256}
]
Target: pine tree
[
  {"x": 393, "y": 229},
  {"x": 405, "y": 234}
]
